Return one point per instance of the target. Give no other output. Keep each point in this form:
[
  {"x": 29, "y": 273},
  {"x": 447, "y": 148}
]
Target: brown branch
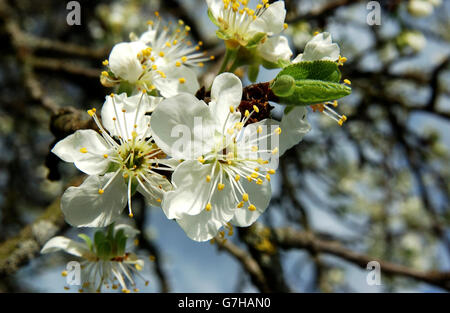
[
  {"x": 289, "y": 238},
  {"x": 248, "y": 263},
  {"x": 19, "y": 250}
]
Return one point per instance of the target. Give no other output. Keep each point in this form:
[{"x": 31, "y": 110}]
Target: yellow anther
[
  {"x": 156, "y": 13},
  {"x": 101, "y": 191},
  {"x": 278, "y": 131},
  {"x": 158, "y": 200},
  {"x": 161, "y": 54},
  {"x": 175, "y": 42},
  {"x": 138, "y": 267},
  {"x": 212, "y": 57},
  {"x": 251, "y": 207},
  {"x": 208, "y": 207},
  {"x": 230, "y": 131},
  {"x": 105, "y": 63},
  {"x": 146, "y": 283},
  {"x": 259, "y": 6},
  {"x": 254, "y": 149},
  {"x": 136, "y": 290},
  {"x": 134, "y": 134},
  {"x": 256, "y": 109},
  {"x": 220, "y": 186},
  {"x": 231, "y": 109},
  {"x": 183, "y": 59},
  {"x": 208, "y": 178},
  {"x": 83, "y": 150},
  {"x": 259, "y": 129},
  {"x": 285, "y": 26},
  {"x": 275, "y": 151},
  {"x": 254, "y": 175},
  {"x": 259, "y": 181},
  {"x": 201, "y": 64},
  {"x": 178, "y": 64},
  {"x": 201, "y": 159},
  {"x": 187, "y": 28},
  {"x": 240, "y": 205},
  {"x": 130, "y": 215},
  {"x": 163, "y": 75},
  {"x": 124, "y": 290},
  {"x": 168, "y": 44},
  {"x": 256, "y": 169},
  {"x": 249, "y": 178},
  {"x": 245, "y": 197},
  {"x": 347, "y": 82},
  {"x": 181, "y": 22},
  {"x": 182, "y": 80},
  {"x": 268, "y": 177},
  {"x": 105, "y": 156},
  {"x": 112, "y": 95},
  {"x": 247, "y": 113},
  {"x": 144, "y": 90},
  {"x": 271, "y": 171},
  {"x": 105, "y": 73},
  {"x": 64, "y": 273},
  {"x": 237, "y": 177},
  {"x": 90, "y": 112},
  {"x": 114, "y": 287},
  {"x": 335, "y": 103},
  {"x": 315, "y": 33}
]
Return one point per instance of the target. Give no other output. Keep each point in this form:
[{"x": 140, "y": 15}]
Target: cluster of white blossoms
[{"x": 207, "y": 162}]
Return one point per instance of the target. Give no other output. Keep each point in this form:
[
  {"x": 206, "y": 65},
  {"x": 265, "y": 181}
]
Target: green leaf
[
  {"x": 87, "y": 240},
  {"x": 212, "y": 18},
  {"x": 253, "y": 72},
  {"x": 315, "y": 91},
  {"x": 317, "y": 70},
  {"x": 283, "y": 86}
]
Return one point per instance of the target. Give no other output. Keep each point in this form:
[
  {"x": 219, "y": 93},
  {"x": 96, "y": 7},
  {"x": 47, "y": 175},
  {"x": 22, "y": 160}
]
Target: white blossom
[
  {"x": 104, "y": 262},
  {"x": 120, "y": 160},
  {"x": 225, "y": 175},
  {"x": 240, "y": 25}
]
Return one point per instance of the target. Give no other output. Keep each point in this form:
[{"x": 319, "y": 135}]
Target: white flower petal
[
  {"x": 192, "y": 190},
  {"x": 293, "y": 127},
  {"x": 123, "y": 60},
  {"x": 276, "y": 48},
  {"x": 65, "y": 244},
  {"x": 226, "y": 91},
  {"x": 259, "y": 196},
  {"x": 320, "y": 47},
  {"x": 72, "y": 148},
  {"x": 171, "y": 84},
  {"x": 182, "y": 126},
  {"x": 119, "y": 123},
  {"x": 129, "y": 231},
  {"x": 154, "y": 193},
  {"x": 201, "y": 227},
  {"x": 83, "y": 206},
  {"x": 216, "y": 6},
  {"x": 271, "y": 21}
]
